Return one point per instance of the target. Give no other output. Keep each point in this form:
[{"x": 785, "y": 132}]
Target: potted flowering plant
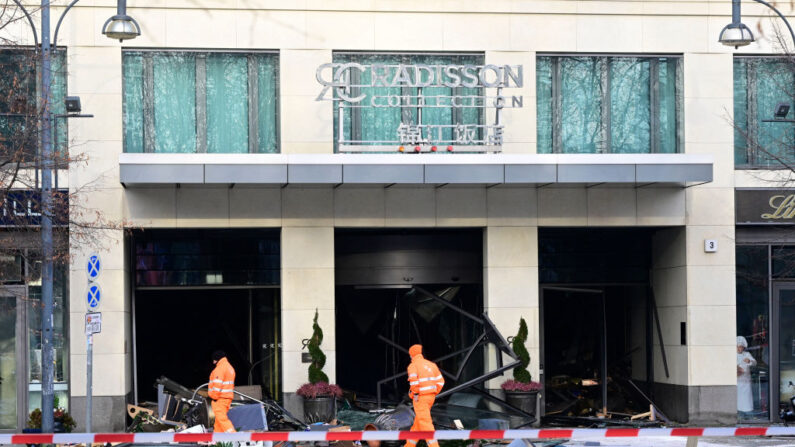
[
  {"x": 522, "y": 391},
  {"x": 320, "y": 397},
  {"x": 62, "y": 421}
]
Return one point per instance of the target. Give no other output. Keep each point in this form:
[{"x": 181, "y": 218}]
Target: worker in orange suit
[
  {"x": 425, "y": 382},
  {"x": 221, "y": 391}
]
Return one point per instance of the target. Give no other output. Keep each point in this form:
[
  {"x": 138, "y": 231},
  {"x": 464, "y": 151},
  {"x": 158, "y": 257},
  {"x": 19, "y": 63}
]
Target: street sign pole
[
  {"x": 93, "y": 326},
  {"x": 89, "y": 368}
]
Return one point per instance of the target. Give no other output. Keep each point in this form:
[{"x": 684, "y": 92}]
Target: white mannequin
[{"x": 745, "y": 397}]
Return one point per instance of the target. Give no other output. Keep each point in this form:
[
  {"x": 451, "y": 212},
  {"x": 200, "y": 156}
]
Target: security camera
[
  {"x": 782, "y": 109},
  {"x": 73, "y": 104}
]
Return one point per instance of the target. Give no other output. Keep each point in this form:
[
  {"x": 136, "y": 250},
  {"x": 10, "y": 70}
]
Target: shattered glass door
[{"x": 376, "y": 324}]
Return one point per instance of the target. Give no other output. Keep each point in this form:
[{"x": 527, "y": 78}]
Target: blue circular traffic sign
[
  {"x": 93, "y": 296},
  {"x": 93, "y": 267}
]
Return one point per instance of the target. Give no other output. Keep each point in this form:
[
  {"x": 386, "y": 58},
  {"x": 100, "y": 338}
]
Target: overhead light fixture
[
  {"x": 736, "y": 34},
  {"x": 121, "y": 26}
]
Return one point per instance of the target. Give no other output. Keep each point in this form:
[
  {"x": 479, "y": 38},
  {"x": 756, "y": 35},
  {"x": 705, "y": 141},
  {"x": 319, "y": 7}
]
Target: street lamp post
[
  {"x": 737, "y": 34},
  {"x": 132, "y": 30}
]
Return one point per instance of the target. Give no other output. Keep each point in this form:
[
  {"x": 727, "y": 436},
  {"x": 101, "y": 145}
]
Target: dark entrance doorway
[
  {"x": 595, "y": 304},
  {"x": 576, "y": 349},
  {"x": 196, "y": 291},
  {"x": 386, "y": 283},
  {"x": 178, "y": 330}
]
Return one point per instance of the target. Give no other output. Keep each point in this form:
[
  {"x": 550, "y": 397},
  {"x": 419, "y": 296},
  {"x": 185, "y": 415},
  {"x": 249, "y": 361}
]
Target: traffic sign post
[{"x": 93, "y": 325}]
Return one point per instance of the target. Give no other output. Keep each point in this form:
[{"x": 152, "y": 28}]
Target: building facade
[{"x": 571, "y": 163}]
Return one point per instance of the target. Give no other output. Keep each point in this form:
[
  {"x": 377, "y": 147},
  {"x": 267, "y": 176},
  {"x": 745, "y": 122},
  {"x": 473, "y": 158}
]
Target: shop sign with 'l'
[{"x": 93, "y": 323}]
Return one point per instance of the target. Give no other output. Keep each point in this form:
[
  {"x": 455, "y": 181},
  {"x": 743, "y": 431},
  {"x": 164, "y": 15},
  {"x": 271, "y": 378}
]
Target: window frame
[
  {"x": 147, "y": 100},
  {"x": 605, "y": 103}
]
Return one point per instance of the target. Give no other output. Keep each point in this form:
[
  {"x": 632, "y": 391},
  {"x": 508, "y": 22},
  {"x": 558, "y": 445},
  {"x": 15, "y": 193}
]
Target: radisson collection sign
[
  {"x": 416, "y": 86},
  {"x": 765, "y": 206}
]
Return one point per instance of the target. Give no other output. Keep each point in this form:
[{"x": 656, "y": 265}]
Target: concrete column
[
  {"x": 510, "y": 269},
  {"x": 710, "y": 277},
  {"x": 307, "y": 283},
  {"x": 520, "y": 123},
  {"x": 307, "y": 126},
  {"x": 669, "y": 283},
  {"x": 94, "y": 73}
]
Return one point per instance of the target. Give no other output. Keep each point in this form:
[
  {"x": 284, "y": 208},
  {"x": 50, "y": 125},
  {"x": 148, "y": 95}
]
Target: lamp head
[
  {"x": 736, "y": 35},
  {"x": 122, "y": 27}
]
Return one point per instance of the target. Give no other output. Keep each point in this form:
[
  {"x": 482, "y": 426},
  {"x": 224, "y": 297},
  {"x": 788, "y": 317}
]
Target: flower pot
[
  {"x": 320, "y": 409},
  {"x": 523, "y": 400}
]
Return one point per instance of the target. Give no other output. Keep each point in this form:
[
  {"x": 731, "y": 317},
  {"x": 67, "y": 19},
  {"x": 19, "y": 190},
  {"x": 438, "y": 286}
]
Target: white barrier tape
[{"x": 298, "y": 436}]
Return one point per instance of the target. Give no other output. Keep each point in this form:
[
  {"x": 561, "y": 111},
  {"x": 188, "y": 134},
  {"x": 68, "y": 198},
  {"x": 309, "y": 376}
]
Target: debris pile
[
  {"x": 183, "y": 410},
  {"x": 574, "y": 401}
]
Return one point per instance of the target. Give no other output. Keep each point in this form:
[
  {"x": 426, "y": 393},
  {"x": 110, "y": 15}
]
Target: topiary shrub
[
  {"x": 316, "y": 374},
  {"x": 520, "y": 373}
]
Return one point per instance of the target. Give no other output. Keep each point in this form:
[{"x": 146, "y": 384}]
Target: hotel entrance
[{"x": 395, "y": 288}]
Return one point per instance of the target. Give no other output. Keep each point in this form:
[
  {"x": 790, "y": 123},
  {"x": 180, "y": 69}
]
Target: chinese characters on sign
[{"x": 376, "y": 86}]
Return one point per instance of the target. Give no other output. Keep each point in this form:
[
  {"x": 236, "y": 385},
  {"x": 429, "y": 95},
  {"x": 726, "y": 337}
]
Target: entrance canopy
[{"x": 415, "y": 169}]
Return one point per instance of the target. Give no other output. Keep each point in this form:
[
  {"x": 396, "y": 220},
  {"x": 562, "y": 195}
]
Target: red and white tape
[{"x": 309, "y": 436}]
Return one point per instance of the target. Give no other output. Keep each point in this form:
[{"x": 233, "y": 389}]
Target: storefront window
[
  {"x": 786, "y": 345},
  {"x": 760, "y": 83},
  {"x": 60, "y": 341},
  {"x": 8, "y": 360},
  {"x": 200, "y": 102},
  {"x": 20, "y": 336},
  {"x": 609, "y": 104},
  {"x": 753, "y": 331},
  {"x": 10, "y": 268}
]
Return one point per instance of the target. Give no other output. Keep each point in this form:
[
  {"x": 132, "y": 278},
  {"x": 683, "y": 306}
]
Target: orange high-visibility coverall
[
  {"x": 425, "y": 382},
  {"x": 222, "y": 384}
]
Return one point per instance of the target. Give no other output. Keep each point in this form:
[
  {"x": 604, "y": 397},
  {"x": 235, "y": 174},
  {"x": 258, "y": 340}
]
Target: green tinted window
[
  {"x": 200, "y": 102},
  {"x": 608, "y": 104},
  {"x": 759, "y": 85}
]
